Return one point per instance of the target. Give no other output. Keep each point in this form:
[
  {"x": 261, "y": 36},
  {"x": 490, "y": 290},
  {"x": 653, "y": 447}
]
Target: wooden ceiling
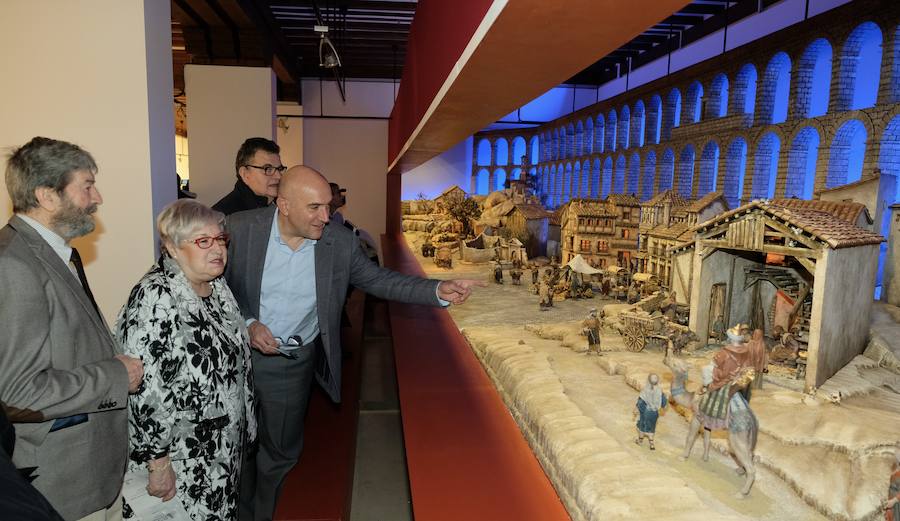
[{"x": 370, "y": 37}]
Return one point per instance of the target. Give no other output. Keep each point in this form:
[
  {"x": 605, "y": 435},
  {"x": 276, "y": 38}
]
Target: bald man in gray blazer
[
  {"x": 290, "y": 272},
  {"x": 63, "y": 383}
]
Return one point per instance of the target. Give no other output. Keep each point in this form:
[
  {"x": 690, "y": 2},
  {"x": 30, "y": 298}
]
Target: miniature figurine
[
  {"x": 649, "y": 402},
  {"x": 787, "y": 351},
  {"x": 534, "y": 275},
  {"x": 428, "y": 249},
  {"x": 633, "y": 295},
  {"x": 892, "y": 505},
  {"x": 545, "y": 293},
  {"x": 720, "y": 406},
  {"x": 719, "y": 329},
  {"x": 591, "y": 329},
  {"x": 516, "y": 276},
  {"x": 604, "y": 287},
  {"x": 759, "y": 359},
  {"x": 574, "y": 285},
  {"x": 745, "y": 332},
  {"x": 498, "y": 272},
  {"x": 667, "y": 306}
]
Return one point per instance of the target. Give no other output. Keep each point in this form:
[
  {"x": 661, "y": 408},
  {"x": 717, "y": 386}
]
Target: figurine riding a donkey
[{"x": 721, "y": 405}]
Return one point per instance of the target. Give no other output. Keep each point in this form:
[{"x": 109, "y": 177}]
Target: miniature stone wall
[
  {"x": 841, "y": 313},
  {"x": 891, "y": 272},
  {"x": 720, "y": 267}
]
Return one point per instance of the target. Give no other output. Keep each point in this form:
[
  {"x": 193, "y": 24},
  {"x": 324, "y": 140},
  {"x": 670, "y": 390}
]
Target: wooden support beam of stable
[
  {"x": 781, "y": 250},
  {"x": 809, "y": 242},
  {"x": 810, "y": 265}
]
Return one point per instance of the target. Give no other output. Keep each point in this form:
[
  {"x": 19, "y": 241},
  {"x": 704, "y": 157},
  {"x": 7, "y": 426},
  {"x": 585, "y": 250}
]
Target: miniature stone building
[
  {"x": 440, "y": 202},
  {"x": 666, "y": 221},
  {"x": 603, "y": 232}
]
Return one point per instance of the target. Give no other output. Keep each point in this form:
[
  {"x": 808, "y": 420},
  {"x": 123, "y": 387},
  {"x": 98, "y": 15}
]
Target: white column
[
  {"x": 98, "y": 74},
  {"x": 226, "y": 105}
]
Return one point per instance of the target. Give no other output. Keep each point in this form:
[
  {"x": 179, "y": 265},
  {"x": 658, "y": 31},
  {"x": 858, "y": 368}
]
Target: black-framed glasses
[
  {"x": 269, "y": 170},
  {"x": 206, "y": 242}
]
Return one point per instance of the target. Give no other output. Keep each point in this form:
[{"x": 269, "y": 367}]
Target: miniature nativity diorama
[{"x": 637, "y": 303}]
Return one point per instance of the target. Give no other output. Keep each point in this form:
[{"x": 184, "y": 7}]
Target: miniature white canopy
[
  {"x": 644, "y": 277},
  {"x": 579, "y": 265},
  {"x": 613, "y": 269}
]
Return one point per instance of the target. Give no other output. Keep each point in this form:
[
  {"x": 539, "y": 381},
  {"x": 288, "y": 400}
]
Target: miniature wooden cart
[{"x": 640, "y": 330}]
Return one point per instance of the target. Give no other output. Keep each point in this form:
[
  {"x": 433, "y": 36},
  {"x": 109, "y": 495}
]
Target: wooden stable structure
[{"x": 819, "y": 244}]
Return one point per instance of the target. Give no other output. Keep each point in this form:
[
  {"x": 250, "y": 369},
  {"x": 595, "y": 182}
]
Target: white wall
[
  {"x": 289, "y": 133},
  {"x": 100, "y": 77},
  {"x": 453, "y": 167},
  {"x": 226, "y": 105},
  {"x": 350, "y": 150}
]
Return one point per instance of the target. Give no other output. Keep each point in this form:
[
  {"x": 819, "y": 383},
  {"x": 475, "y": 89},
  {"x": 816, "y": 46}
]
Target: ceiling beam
[
  {"x": 364, "y": 5},
  {"x": 258, "y": 12}
]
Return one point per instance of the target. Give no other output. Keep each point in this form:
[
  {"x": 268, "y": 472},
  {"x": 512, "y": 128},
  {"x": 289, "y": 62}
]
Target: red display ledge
[{"x": 467, "y": 458}]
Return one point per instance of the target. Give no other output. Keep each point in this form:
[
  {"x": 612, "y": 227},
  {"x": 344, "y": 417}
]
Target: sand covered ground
[{"x": 818, "y": 457}]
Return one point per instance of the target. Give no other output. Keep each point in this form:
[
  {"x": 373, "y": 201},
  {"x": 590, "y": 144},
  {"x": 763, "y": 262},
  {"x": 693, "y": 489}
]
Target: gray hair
[
  {"x": 43, "y": 162},
  {"x": 180, "y": 219}
]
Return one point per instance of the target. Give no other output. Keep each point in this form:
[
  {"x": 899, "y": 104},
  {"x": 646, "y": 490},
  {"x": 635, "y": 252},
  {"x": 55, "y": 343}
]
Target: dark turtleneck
[{"x": 240, "y": 199}]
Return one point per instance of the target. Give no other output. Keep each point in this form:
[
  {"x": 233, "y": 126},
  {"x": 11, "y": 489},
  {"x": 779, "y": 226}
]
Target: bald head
[
  {"x": 300, "y": 177},
  {"x": 303, "y": 198}
]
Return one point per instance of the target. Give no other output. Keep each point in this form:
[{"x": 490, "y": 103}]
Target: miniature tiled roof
[
  {"x": 450, "y": 189},
  {"x": 833, "y": 228},
  {"x": 623, "y": 200},
  {"x": 708, "y": 199},
  {"x": 662, "y": 197},
  {"x": 670, "y": 232},
  {"x": 590, "y": 208},
  {"x": 847, "y": 210},
  {"x": 533, "y": 211}
]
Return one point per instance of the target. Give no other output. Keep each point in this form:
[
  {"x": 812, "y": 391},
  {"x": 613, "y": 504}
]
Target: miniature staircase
[{"x": 786, "y": 281}]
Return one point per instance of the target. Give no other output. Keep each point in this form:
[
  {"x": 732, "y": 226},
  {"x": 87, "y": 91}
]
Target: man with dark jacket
[{"x": 258, "y": 168}]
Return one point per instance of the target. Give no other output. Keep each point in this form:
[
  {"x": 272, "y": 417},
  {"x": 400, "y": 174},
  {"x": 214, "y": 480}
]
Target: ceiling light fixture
[{"x": 328, "y": 56}]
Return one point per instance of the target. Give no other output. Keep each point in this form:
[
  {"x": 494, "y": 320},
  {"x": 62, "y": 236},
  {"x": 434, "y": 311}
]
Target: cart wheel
[{"x": 635, "y": 339}]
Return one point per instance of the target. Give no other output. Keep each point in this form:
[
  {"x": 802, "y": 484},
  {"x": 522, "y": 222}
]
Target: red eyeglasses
[{"x": 205, "y": 243}]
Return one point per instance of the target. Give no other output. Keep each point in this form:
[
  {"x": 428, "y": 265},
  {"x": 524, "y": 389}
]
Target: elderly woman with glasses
[{"x": 191, "y": 420}]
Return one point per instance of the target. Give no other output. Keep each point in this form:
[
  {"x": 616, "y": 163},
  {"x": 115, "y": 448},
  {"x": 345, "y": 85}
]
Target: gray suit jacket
[
  {"x": 340, "y": 263},
  {"x": 56, "y": 360}
]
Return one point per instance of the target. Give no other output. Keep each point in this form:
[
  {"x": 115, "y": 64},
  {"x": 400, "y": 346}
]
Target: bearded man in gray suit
[
  {"x": 290, "y": 271},
  {"x": 63, "y": 382}
]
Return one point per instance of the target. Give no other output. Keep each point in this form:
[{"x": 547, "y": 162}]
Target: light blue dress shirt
[{"x": 287, "y": 300}]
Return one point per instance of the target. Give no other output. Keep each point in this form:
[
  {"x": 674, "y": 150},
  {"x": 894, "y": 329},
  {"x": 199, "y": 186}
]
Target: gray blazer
[
  {"x": 56, "y": 360},
  {"x": 340, "y": 263}
]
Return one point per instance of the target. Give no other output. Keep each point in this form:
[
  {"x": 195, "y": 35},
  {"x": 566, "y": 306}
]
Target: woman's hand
[{"x": 162, "y": 478}]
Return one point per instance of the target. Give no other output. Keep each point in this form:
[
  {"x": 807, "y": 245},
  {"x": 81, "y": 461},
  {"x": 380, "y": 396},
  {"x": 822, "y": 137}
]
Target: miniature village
[{"x": 619, "y": 331}]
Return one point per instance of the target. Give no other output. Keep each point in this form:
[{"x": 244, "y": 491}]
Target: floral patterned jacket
[{"x": 197, "y": 392}]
